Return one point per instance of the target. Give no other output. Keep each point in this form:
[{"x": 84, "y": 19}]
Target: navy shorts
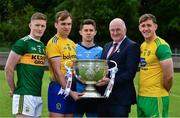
[{"x": 57, "y": 103}]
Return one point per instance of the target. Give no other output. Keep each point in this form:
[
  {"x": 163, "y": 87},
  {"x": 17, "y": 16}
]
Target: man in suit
[{"x": 127, "y": 55}]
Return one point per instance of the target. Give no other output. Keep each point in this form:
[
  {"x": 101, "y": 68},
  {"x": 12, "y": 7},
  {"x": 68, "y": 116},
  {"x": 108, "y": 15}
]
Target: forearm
[
  {"x": 168, "y": 83},
  {"x": 58, "y": 75},
  {"x": 61, "y": 79},
  {"x": 167, "y": 69},
  {"x": 12, "y": 60},
  {"x": 9, "y": 74}
]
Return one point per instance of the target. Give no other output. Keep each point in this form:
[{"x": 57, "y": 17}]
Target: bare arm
[
  {"x": 55, "y": 63},
  {"x": 167, "y": 68},
  {"x": 12, "y": 60}
]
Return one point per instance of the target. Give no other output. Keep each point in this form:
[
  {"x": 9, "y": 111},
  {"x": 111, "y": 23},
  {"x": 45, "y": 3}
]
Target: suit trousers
[{"x": 113, "y": 110}]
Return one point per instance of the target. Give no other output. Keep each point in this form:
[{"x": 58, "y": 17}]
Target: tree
[
  {"x": 3, "y": 10},
  {"x": 103, "y": 11},
  {"x": 14, "y": 13},
  {"x": 17, "y": 26},
  {"x": 168, "y": 18}
]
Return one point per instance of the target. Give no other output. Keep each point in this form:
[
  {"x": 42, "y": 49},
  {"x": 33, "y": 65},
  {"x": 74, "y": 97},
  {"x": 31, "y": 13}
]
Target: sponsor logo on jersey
[
  {"x": 143, "y": 62},
  {"x": 33, "y": 59},
  {"x": 68, "y": 56}
]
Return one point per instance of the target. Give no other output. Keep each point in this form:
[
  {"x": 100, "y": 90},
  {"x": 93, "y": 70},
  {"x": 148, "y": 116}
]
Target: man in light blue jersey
[{"x": 87, "y": 49}]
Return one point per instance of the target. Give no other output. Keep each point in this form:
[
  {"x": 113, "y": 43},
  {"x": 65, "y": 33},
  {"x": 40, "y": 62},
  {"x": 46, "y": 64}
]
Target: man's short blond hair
[{"x": 39, "y": 16}]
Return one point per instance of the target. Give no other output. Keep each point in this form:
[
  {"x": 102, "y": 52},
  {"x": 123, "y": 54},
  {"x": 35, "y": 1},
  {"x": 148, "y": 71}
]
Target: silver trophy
[{"x": 90, "y": 72}]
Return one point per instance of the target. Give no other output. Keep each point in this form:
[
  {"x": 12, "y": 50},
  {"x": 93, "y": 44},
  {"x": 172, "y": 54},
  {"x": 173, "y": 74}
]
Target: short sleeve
[
  {"x": 163, "y": 52},
  {"x": 20, "y": 47},
  {"x": 52, "y": 50}
]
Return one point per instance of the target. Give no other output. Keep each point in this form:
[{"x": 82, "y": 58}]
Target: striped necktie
[{"x": 113, "y": 50}]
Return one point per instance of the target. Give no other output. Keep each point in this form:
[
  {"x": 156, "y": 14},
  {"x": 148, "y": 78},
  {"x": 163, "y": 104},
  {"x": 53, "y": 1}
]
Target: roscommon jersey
[{"x": 63, "y": 48}]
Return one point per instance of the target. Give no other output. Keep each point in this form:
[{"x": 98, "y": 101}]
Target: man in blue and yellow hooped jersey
[
  {"x": 59, "y": 50},
  {"x": 156, "y": 71},
  {"x": 28, "y": 57}
]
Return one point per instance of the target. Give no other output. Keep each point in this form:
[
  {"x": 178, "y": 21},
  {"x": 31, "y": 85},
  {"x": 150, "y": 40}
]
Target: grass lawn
[{"x": 5, "y": 100}]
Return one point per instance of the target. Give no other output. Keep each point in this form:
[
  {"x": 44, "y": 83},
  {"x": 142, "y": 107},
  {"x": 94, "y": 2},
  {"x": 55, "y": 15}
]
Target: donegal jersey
[
  {"x": 151, "y": 78},
  {"x": 63, "y": 48},
  {"x": 30, "y": 68},
  {"x": 83, "y": 52}
]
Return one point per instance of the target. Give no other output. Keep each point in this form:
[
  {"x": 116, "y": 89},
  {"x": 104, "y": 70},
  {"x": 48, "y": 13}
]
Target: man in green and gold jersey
[
  {"x": 156, "y": 71},
  {"x": 28, "y": 57}
]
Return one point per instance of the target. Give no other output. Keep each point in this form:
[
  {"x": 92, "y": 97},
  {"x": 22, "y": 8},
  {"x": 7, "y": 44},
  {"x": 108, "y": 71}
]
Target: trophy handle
[
  {"x": 69, "y": 80},
  {"x": 113, "y": 68},
  {"x": 113, "y": 71}
]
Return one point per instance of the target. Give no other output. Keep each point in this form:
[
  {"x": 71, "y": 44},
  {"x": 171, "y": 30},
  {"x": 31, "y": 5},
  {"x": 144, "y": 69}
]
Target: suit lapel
[
  {"x": 122, "y": 45},
  {"x": 107, "y": 49}
]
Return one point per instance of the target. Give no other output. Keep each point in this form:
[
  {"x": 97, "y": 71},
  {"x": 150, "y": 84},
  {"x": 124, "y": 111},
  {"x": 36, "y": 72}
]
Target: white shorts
[{"x": 27, "y": 105}]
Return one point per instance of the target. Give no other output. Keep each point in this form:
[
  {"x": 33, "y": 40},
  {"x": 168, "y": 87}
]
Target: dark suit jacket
[{"x": 127, "y": 58}]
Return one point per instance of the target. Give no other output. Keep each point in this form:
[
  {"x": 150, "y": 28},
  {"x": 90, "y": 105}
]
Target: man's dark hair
[{"x": 88, "y": 22}]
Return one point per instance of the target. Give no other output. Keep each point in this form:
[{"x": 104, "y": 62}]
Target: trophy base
[{"x": 92, "y": 95}]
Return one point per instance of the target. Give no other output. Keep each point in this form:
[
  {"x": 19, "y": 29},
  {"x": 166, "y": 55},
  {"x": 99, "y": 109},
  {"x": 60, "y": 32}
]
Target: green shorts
[{"x": 152, "y": 106}]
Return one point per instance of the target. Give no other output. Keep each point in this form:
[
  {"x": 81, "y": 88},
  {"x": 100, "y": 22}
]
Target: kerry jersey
[
  {"x": 151, "y": 78},
  {"x": 63, "y": 48},
  {"x": 30, "y": 68}
]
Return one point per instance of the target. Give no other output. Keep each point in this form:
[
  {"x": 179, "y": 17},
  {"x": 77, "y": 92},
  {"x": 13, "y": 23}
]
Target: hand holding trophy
[
  {"x": 69, "y": 75},
  {"x": 90, "y": 72}
]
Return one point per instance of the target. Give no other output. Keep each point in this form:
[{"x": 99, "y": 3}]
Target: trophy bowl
[{"x": 90, "y": 72}]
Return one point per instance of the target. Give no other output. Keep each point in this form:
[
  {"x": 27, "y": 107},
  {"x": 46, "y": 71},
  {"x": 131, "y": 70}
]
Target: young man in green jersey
[
  {"x": 28, "y": 57},
  {"x": 156, "y": 71}
]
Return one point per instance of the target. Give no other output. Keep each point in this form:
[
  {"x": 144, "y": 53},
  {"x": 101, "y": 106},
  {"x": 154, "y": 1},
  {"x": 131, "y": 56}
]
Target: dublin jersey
[
  {"x": 83, "y": 52},
  {"x": 63, "y": 48},
  {"x": 30, "y": 68},
  {"x": 151, "y": 78}
]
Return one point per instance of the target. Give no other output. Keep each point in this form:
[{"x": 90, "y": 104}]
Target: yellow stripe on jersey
[
  {"x": 33, "y": 59},
  {"x": 160, "y": 106}
]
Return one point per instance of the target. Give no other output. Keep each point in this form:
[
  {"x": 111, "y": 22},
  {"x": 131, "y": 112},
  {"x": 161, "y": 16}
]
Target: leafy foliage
[
  {"x": 15, "y": 15},
  {"x": 168, "y": 18},
  {"x": 17, "y": 26}
]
